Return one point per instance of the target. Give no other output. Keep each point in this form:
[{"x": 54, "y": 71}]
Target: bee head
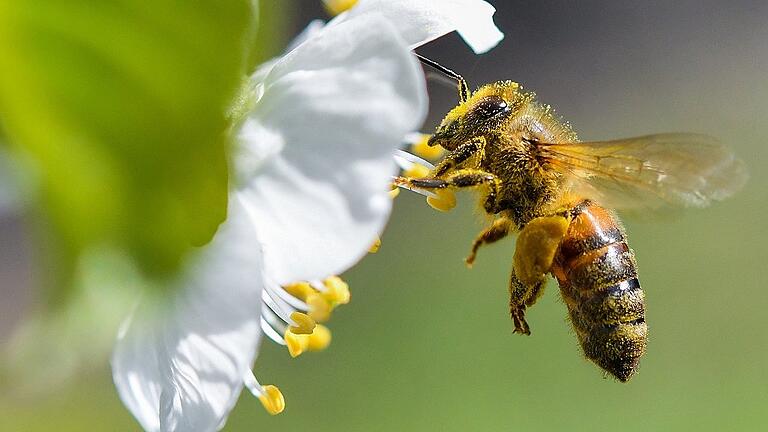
[{"x": 484, "y": 111}]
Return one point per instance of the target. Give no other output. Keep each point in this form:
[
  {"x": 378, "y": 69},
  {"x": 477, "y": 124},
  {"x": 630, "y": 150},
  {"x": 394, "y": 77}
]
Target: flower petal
[
  {"x": 180, "y": 367},
  {"x": 421, "y": 21},
  {"x": 338, "y": 106}
]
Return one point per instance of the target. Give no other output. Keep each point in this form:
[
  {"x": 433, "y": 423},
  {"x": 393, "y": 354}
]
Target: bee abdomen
[{"x": 598, "y": 279}]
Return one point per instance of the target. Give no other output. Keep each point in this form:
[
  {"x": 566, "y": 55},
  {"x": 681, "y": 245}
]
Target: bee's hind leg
[
  {"x": 535, "y": 252},
  {"x": 501, "y": 228},
  {"x": 520, "y": 297}
]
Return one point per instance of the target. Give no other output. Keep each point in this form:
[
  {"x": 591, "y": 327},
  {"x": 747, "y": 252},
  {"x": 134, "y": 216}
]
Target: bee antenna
[{"x": 463, "y": 87}]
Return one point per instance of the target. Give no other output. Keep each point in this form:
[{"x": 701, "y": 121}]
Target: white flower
[{"x": 309, "y": 198}]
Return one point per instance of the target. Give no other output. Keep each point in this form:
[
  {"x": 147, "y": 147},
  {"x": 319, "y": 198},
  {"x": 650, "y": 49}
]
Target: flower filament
[
  {"x": 269, "y": 396},
  {"x": 414, "y": 165},
  {"x": 290, "y": 316}
]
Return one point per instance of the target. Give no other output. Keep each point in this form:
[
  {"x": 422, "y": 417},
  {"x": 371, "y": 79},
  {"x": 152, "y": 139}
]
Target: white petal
[
  {"x": 180, "y": 367},
  {"x": 338, "y": 105},
  {"x": 420, "y": 21}
]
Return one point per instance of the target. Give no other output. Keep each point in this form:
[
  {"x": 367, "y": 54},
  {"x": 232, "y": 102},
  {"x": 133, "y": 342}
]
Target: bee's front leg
[
  {"x": 459, "y": 179},
  {"x": 460, "y": 155}
]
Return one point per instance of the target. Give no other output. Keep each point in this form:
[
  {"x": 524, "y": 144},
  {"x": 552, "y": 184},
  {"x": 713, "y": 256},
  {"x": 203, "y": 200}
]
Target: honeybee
[{"x": 537, "y": 179}]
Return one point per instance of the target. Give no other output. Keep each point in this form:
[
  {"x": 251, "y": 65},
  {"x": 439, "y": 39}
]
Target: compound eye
[{"x": 490, "y": 107}]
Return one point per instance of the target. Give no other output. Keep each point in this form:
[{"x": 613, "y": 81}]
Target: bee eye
[{"x": 490, "y": 107}]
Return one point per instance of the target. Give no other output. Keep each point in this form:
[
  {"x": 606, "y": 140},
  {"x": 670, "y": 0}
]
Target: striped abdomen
[{"x": 598, "y": 280}]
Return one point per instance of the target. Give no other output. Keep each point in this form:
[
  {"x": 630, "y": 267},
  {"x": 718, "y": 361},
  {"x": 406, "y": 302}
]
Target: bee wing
[{"x": 649, "y": 172}]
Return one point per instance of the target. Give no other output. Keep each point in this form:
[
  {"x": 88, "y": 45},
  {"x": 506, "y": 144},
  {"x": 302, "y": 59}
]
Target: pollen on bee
[{"x": 443, "y": 200}]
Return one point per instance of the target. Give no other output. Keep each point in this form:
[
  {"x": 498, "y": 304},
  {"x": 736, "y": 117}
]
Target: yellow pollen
[
  {"x": 319, "y": 339},
  {"x": 421, "y": 148},
  {"x": 444, "y": 200},
  {"x": 272, "y": 399},
  {"x": 319, "y": 308},
  {"x": 300, "y": 290},
  {"x": 394, "y": 192},
  {"x": 335, "y": 7},
  {"x": 304, "y": 323},
  {"x": 375, "y": 246},
  {"x": 416, "y": 171},
  {"x": 337, "y": 291},
  {"x": 296, "y": 343}
]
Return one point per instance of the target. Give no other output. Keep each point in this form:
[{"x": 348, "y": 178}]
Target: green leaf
[{"x": 121, "y": 106}]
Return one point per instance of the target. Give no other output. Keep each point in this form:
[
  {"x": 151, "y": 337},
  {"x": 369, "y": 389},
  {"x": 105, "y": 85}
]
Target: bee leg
[
  {"x": 501, "y": 228},
  {"x": 463, "y": 178},
  {"x": 460, "y": 155},
  {"x": 520, "y": 297},
  {"x": 536, "y": 248}
]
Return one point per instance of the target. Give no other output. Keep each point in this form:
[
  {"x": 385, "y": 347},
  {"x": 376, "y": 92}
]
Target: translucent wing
[{"x": 649, "y": 172}]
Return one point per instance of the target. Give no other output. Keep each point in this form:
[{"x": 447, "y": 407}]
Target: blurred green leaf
[
  {"x": 120, "y": 104},
  {"x": 274, "y": 31}
]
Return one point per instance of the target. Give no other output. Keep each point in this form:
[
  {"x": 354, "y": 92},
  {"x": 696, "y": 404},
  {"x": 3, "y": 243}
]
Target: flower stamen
[
  {"x": 269, "y": 396},
  {"x": 337, "y": 292},
  {"x": 375, "y": 246},
  {"x": 319, "y": 339},
  {"x": 271, "y": 332},
  {"x": 293, "y": 311},
  {"x": 298, "y": 344},
  {"x": 335, "y": 7},
  {"x": 319, "y": 309},
  {"x": 303, "y": 323},
  {"x": 405, "y": 160},
  {"x": 416, "y": 171},
  {"x": 420, "y": 147}
]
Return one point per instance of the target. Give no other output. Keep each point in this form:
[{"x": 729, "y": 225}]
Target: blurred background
[{"x": 427, "y": 344}]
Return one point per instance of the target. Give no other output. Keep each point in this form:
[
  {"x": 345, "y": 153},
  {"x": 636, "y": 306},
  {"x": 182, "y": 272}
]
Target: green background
[{"x": 427, "y": 344}]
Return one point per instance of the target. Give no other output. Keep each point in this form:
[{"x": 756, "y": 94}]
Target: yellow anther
[
  {"x": 304, "y": 323},
  {"x": 272, "y": 399},
  {"x": 337, "y": 291},
  {"x": 416, "y": 171},
  {"x": 375, "y": 246},
  {"x": 296, "y": 343},
  {"x": 444, "y": 200},
  {"x": 319, "y": 308},
  {"x": 421, "y": 148},
  {"x": 300, "y": 290},
  {"x": 319, "y": 339},
  {"x": 335, "y": 7}
]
